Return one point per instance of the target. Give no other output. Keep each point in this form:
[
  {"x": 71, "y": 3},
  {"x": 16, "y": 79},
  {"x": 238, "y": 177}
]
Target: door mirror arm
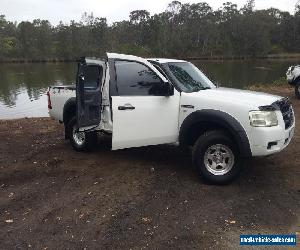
[{"x": 169, "y": 89}]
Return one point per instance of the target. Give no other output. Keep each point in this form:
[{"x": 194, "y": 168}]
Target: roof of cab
[
  {"x": 122, "y": 56},
  {"x": 164, "y": 60},
  {"x": 131, "y": 57}
]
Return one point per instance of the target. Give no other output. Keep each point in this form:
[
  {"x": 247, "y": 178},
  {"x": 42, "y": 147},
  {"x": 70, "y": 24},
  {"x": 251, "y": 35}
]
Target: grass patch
[{"x": 279, "y": 83}]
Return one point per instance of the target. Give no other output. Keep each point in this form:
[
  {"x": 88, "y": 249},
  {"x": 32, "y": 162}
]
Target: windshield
[{"x": 188, "y": 77}]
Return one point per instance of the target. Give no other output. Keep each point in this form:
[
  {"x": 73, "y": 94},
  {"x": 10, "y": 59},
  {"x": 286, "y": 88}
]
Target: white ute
[
  {"x": 159, "y": 101},
  {"x": 293, "y": 78}
]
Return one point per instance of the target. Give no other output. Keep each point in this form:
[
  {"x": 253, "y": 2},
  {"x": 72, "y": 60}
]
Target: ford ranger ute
[{"x": 144, "y": 102}]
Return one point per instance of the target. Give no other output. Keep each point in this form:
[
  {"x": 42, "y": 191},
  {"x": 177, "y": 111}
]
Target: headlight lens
[{"x": 263, "y": 118}]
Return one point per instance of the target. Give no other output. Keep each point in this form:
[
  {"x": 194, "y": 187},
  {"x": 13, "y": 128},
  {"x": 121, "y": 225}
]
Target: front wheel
[
  {"x": 80, "y": 141},
  {"x": 216, "y": 157},
  {"x": 297, "y": 89}
]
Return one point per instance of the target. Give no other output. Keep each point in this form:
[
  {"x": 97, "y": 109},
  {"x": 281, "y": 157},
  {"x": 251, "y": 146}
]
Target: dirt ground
[{"x": 52, "y": 197}]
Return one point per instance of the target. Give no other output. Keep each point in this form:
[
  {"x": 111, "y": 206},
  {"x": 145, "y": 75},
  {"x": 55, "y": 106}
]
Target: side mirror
[{"x": 162, "y": 89}]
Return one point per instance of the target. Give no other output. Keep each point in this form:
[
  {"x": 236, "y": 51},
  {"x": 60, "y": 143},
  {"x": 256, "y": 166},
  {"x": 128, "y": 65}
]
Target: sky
[{"x": 113, "y": 10}]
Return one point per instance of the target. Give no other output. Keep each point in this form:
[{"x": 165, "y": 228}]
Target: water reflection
[
  {"x": 22, "y": 105},
  {"x": 23, "y": 86},
  {"x": 240, "y": 74}
]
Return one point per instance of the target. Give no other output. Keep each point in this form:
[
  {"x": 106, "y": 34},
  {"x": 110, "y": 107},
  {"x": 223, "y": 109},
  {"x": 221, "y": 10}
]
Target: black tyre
[
  {"x": 81, "y": 141},
  {"x": 297, "y": 89},
  {"x": 216, "y": 157}
]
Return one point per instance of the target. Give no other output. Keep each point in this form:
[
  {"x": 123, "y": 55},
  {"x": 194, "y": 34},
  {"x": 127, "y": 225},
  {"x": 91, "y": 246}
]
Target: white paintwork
[
  {"x": 106, "y": 121},
  {"x": 58, "y": 99},
  {"x": 238, "y": 103},
  {"x": 157, "y": 119},
  {"x": 259, "y": 137},
  {"x": 291, "y": 75},
  {"x": 153, "y": 121}
]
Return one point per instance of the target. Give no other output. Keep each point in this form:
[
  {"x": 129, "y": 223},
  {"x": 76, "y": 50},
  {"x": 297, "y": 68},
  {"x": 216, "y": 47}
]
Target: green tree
[{"x": 182, "y": 30}]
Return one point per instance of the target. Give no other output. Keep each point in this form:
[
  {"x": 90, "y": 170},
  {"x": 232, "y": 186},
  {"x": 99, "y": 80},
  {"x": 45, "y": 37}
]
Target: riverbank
[
  {"x": 52, "y": 197},
  {"x": 279, "y": 87}
]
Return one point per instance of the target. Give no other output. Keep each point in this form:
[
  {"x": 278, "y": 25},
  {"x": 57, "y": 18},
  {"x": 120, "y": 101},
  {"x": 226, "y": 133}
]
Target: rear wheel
[
  {"x": 216, "y": 157},
  {"x": 80, "y": 141},
  {"x": 297, "y": 89}
]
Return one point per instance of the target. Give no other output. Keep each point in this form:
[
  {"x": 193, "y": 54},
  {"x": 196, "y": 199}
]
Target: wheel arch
[
  {"x": 200, "y": 121},
  {"x": 69, "y": 111}
]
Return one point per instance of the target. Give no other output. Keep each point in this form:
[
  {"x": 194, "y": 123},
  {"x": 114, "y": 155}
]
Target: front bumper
[{"x": 270, "y": 140}]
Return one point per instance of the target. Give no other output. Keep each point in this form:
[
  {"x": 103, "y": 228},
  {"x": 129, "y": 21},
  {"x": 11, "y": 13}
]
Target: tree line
[{"x": 182, "y": 30}]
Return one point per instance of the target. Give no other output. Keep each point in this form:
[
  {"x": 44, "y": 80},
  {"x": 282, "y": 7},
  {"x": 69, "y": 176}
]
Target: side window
[
  {"x": 134, "y": 78},
  {"x": 92, "y": 75}
]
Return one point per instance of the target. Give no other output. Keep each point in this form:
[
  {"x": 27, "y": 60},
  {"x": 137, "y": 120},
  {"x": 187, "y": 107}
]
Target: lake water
[{"x": 23, "y": 86}]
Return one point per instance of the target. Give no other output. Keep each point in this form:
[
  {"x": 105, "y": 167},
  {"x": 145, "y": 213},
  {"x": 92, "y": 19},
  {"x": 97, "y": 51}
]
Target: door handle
[
  {"x": 126, "y": 106},
  {"x": 187, "y": 106}
]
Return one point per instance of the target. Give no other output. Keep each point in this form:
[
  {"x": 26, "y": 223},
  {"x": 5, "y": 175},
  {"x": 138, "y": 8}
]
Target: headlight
[{"x": 263, "y": 118}]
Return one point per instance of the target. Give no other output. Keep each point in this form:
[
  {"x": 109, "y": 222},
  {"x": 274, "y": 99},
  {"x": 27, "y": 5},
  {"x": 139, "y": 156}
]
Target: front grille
[{"x": 287, "y": 112}]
